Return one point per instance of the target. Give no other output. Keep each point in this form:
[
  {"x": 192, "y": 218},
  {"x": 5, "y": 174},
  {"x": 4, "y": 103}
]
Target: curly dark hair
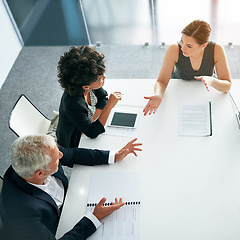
[{"x": 78, "y": 67}]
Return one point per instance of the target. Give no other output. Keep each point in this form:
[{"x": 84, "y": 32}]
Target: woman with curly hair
[
  {"x": 84, "y": 106},
  {"x": 195, "y": 57}
]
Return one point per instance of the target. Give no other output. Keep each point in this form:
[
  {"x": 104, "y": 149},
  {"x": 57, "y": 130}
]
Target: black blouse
[{"x": 74, "y": 120}]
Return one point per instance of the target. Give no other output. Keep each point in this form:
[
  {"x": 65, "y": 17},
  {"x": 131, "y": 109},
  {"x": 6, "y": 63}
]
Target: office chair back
[
  {"x": 26, "y": 119},
  {"x": 1, "y": 223},
  {"x": 1, "y": 183}
]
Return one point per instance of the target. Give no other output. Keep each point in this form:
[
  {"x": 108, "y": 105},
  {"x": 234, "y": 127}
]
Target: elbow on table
[
  {"x": 96, "y": 129},
  {"x": 229, "y": 85},
  {"x": 93, "y": 134}
]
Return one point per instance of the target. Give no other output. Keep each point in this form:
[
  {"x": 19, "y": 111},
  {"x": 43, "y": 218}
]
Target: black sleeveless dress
[{"x": 183, "y": 68}]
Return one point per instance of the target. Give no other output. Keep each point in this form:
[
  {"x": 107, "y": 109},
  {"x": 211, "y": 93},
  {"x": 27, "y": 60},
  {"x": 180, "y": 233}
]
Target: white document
[
  {"x": 195, "y": 120},
  {"x": 125, "y": 222}
]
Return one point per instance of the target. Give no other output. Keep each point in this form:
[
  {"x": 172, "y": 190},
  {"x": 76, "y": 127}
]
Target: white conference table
[{"x": 190, "y": 185}]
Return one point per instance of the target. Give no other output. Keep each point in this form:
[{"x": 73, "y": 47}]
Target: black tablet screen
[{"x": 124, "y": 119}]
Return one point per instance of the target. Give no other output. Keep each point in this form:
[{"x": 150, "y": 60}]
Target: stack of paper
[{"x": 195, "y": 120}]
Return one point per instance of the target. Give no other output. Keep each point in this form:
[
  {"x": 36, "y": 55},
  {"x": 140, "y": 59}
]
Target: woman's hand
[
  {"x": 152, "y": 105},
  {"x": 112, "y": 101},
  {"x": 218, "y": 84},
  {"x": 206, "y": 80},
  {"x": 114, "y": 98}
]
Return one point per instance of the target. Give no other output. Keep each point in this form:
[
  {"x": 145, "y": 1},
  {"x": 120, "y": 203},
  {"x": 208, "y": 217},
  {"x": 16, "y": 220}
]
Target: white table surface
[{"x": 190, "y": 185}]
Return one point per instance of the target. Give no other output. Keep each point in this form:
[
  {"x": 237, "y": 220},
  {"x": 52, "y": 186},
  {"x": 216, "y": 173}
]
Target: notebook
[{"x": 125, "y": 222}]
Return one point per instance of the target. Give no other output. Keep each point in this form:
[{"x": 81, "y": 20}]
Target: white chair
[{"x": 26, "y": 119}]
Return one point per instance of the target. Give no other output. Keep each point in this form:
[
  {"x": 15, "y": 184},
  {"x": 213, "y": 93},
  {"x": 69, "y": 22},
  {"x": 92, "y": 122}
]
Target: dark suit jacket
[
  {"x": 73, "y": 118},
  {"x": 29, "y": 213}
]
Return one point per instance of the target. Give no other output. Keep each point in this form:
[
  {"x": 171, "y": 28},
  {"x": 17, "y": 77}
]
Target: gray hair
[{"x": 31, "y": 153}]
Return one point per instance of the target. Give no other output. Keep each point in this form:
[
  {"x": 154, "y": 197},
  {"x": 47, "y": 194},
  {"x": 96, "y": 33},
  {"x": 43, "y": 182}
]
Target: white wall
[{"x": 10, "y": 45}]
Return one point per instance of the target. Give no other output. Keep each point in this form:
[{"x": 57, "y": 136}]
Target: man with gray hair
[{"x": 35, "y": 186}]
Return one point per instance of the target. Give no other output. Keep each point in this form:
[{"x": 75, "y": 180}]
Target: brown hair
[{"x": 199, "y": 30}]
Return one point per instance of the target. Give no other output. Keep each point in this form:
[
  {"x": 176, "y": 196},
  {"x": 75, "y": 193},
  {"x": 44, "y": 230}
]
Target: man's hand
[
  {"x": 101, "y": 211},
  {"x": 131, "y": 147}
]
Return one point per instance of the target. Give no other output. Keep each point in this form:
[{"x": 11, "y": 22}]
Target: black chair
[{"x": 1, "y": 223}]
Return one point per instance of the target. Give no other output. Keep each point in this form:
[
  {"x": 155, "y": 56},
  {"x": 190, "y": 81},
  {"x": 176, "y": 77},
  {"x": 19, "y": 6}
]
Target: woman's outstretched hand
[
  {"x": 206, "y": 80},
  {"x": 152, "y": 105}
]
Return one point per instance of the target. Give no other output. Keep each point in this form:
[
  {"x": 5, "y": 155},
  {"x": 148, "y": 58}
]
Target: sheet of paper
[
  {"x": 195, "y": 119},
  {"x": 125, "y": 222}
]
